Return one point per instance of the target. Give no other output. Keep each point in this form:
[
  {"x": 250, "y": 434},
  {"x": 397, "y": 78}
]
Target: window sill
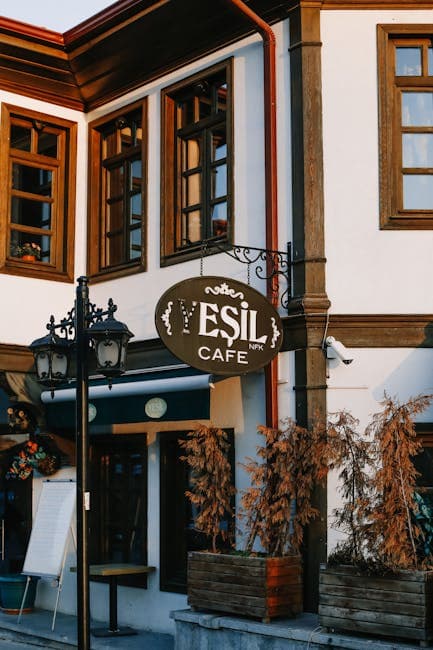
[
  {"x": 36, "y": 270},
  {"x": 114, "y": 273},
  {"x": 412, "y": 221},
  {"x": 195, "y": 252}
]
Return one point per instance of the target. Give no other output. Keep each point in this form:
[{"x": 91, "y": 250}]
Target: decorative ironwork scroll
[{"x": 269, "y": 265}]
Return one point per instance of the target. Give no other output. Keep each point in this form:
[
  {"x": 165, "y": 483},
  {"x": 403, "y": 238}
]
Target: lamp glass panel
[
  {"x": 42, "y": 364},
  {"x": 123, "y": 353},
  {"x": 59, "y": 366},
  {"x": 107, "y": 353}
]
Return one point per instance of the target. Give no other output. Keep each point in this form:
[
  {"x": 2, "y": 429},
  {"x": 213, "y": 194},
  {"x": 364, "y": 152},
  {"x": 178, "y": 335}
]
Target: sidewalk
[
  {"x": 201, "y": 631},
  {"x": 35, "y": 628},
  {"x": 196, "y": 631}
]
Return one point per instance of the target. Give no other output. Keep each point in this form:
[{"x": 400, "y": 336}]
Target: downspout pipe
[{"x": 271, "y": 190}]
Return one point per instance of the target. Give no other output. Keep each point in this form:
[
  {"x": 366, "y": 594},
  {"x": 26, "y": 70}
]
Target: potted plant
[
  {"x": 380, "y": 579},
  {"x": 264, "y": 580},
  {"x": 32, "y": 455},
  {"x": 29, "y": 251}
]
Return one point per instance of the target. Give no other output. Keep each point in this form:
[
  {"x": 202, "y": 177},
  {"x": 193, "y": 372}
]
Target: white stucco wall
[
  {"x": 30, "y": 302},
  {"x": 368, "y": 270}
]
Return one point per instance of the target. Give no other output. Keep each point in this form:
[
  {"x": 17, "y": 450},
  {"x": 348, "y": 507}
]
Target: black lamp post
[{"x": 84, "y": 327}]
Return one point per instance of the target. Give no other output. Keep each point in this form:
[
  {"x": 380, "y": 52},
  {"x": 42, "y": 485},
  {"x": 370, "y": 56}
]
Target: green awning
[{"x": 185, "y": 391}]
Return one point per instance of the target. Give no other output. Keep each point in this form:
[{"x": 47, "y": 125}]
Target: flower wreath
[{"x": 32, "y": 456}]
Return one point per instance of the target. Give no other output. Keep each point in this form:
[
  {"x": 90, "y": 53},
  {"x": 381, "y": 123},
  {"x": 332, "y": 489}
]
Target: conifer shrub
[{"x": 385, "y": 519}]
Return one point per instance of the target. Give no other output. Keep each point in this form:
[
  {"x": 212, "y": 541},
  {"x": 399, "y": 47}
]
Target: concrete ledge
[{"x": 199, "y": 630}]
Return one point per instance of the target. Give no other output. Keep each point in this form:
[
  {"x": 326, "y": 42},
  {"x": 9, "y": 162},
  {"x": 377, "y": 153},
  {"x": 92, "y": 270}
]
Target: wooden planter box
[
  {"x": 257, "y": 587},
  {"x": 397, "y": 605}
]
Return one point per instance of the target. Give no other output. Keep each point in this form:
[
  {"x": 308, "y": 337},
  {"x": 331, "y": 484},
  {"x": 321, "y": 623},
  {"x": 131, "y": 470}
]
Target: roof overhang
[{"x": 127, "y": 45}]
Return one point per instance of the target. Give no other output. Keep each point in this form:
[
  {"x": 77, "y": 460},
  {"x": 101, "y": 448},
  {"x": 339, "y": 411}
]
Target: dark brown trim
[
  {"x": 376, "y": 4},
  {"x": 360, "y": 330},
  {"x": 383, "y": 330},
  {"x": 15, "y": 358},
  {"x": 310, "y": 305},
  {"x": 41, "y": 34}
]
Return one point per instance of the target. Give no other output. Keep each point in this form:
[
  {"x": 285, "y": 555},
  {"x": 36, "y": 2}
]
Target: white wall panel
[{"x": 368, "y": 270}]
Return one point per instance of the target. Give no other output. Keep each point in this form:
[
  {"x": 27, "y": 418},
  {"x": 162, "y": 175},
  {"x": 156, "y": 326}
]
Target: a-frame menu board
[{"x": 52, "y": 524}]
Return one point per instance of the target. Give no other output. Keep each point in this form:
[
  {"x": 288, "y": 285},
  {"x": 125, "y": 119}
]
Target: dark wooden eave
[{"x": 121, "y": 48}]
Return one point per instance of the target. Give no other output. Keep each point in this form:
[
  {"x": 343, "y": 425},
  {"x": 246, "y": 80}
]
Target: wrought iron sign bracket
[{"x": 269, "y": 265}]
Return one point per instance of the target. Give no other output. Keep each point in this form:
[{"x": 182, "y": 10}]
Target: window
[
  {"x": 406, "y": 126},
  {"x": 118, "y": 514},
  {"x": 197, "y": 163},
  {"x": 178, "y": 533},
  {"x": 117, "y": 193},
  {"x": 38, "y": 201}
]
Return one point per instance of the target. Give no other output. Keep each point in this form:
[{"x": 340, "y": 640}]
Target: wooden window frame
[
  {"x": 139, "y": 440},
  {"x": 61, "y": 266},
  {"x": 170, "y": 175},
  {"x": 171, "y": 511},
  {"x": 95, "y": 222},
  {"x": 392, "y": 214}
]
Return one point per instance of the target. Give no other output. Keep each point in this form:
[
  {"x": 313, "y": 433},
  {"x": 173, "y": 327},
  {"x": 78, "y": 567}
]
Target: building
[{"x": 154, "y": 128}]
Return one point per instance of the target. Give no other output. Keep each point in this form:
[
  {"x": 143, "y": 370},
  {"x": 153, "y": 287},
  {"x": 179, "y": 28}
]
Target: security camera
[{"x": 336, "y": 350}]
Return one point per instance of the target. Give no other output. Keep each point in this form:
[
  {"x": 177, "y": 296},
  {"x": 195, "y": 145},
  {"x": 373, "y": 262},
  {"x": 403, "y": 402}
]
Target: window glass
[
  {"x": 418, "y": 192},
  {"x": 135, "y": 243},
  {"x": 20, "y": 137},
  {"x": 408, "y": 61},
  {"x": 135, "y": 175},
  {"x": 221, "y": 91},
  {"x": 219, "y": 144},
  {"x": 219, "y": 181},
  {"x": 191, "y": 227},
  {"x": 135, "y": 212},
  {"x": 31, "y": 179},
  {"x": 418, "y": 150},
  {"x": 47, "y": 144},
  {"x": 417, "y": 108},
  {"x": 430, "y": 60},
  {"x": 191, "y": 150},
  {"x": 31, "y": 213},
  {"x": 126, "y": 138},
  {"x": 177, "y": 517},
  {"x": 118, "y": 517},
  {"x": 219, "y": 219},
  {"x": 192, "y": 189}
]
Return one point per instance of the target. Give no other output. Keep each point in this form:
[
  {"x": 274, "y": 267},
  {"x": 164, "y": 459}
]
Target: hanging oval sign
[{"x": 218, "y": 325}]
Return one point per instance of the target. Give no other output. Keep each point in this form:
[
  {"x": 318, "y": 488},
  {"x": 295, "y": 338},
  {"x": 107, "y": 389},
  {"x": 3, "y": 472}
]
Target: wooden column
[{"x": 308, "y": 310}]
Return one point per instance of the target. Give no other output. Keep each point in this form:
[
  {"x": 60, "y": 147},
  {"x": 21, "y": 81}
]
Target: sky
[{"x": 58, "y": 15}]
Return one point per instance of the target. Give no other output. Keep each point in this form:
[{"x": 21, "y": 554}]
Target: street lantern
[
  {"x": 83, "y": 328},
  {"x": 110, "y": 340},
  {"x": 52, "y": 355}
]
